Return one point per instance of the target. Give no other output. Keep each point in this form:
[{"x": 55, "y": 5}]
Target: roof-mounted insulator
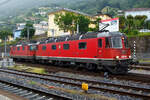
[
  {"x": 18, "y": 45},
  {"x": 66, "y": 39},
  {"x": 80, "y": 37},
  {"x": 55, "y": 40}
]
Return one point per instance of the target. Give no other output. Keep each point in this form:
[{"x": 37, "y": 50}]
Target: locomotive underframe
[{"x": 114, "y": 66}]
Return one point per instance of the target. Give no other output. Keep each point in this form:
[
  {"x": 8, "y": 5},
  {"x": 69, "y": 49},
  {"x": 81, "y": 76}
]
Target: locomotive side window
[
  {"x": 100, "y": 43},
  {"x": 66, "y": 46},
  {"x": 14, "y": 48},
  {"x": 44, "y": 47},
  {"x": 33, "y": 47},
  {"x": 18, "y": 48},
  {"x": 22, "y": 47},
  {"x": 82, "y": 45},
  {"x": 53, "y": 47}
]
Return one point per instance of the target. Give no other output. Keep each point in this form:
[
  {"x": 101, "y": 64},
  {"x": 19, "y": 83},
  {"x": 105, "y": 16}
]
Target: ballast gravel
[{"x": 24, "y": 81}]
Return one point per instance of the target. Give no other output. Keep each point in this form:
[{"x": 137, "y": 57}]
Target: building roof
[
  {"x": 138, "y": 9},
  {"x": 70, "y": 10}
]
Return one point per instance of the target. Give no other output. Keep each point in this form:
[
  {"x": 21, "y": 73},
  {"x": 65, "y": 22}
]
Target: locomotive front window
[{"x": 116, "y": 42}]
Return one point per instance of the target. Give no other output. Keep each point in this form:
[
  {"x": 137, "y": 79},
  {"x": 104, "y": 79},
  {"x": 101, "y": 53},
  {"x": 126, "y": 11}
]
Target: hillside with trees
[{"x": 17, "y": 7}]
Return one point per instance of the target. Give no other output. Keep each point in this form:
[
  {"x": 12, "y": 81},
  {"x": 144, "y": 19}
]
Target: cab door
[{"x": 100, "y": 48}]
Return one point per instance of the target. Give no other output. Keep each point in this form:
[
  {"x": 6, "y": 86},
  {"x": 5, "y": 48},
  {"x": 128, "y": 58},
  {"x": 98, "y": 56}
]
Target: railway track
[
  {"x": 93, "y": 85},
  {"x": 54, "y": 69},
  {"x": 29, "y": 93},
  {"x": 141, "y": 67}
]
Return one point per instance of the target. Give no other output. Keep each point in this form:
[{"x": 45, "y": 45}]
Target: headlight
[
  {"x": 117, "y": 57},
  {"x": 129, "y": 56}
]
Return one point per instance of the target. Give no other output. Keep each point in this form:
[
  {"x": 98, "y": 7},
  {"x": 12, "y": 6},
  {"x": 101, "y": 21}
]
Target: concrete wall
[{"x": 142, "y": 46}]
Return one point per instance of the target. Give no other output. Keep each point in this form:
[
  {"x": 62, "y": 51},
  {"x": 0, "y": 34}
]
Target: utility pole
[
  {"x": 77, "y": 28},
  {"x": 28, "y": 33},
  {"x": 5, "y": 48}
]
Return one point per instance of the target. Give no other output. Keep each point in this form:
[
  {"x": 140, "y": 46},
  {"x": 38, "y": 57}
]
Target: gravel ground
[
  {"x": 4, "y": 95},
  {"x": 140, "y": 72},
  {"x": 25, "y": 82},
  {"x": 4, "y": 98},
  {"x": 103, "y": 79}
]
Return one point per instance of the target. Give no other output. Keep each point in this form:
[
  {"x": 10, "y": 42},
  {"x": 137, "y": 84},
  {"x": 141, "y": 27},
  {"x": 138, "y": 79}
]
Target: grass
[
  {"x": 139, "y": 35},
  {"x": 29, "y": 69},
  {"x": 144, "y": 60}
]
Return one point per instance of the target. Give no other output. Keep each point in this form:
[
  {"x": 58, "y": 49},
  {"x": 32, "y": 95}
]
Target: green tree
[
  {"x": 65, "y": 21},
  {"x": 5, "y": 34},
  {"x": 139, "y": 21},
  {"x": 122, "y": 22},
  {"x": 69, "y": 21},
  {"x": 83, "y": 23},
  {"x": 129, "y": 21},
  {"x": 28, "y": 27}
]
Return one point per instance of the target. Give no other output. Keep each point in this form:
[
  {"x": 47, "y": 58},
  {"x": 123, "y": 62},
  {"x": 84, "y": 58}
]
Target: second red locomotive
[{"x": 98, "y": 50}]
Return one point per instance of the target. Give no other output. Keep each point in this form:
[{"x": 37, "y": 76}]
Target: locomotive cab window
[
  {"x": 66, "y": 46},
  {"x": 100, "y": 43},
  {"x": 82, "y": 45},
  {"x": 53, "y": 47},
  {"x": 125, "y": 42},
  {"x": 107, "y": 42},
  {"x": 44, "y": 47}
]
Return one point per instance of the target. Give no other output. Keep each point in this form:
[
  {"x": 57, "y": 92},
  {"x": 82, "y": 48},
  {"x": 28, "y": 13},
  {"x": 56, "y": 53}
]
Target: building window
[
  {"x": 53, "y": 32},
  {"x": 44, "y": 47},
  {"x": 82, "y": 45},
  {"x": 100, "y": 43},
  {"x": 53, "y": 47},
  {"x": 66, "y": 46}
]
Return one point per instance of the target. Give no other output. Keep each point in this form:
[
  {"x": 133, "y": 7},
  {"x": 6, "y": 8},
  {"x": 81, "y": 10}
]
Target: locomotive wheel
[
  {"x": 91, "y": 67},
  {"x": 117, "y": 69}
]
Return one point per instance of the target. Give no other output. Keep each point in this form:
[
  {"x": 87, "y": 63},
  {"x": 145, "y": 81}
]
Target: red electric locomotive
[{"x": 98, "y": 50}]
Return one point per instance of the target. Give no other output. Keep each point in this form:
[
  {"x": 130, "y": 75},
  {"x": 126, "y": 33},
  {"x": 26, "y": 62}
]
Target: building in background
[
  {"x": 53, "y": 29},
  {"x": 17, "y": 34},
  {"x": 138, "y": 11},
  {"x": 41, "y": 28},
  {"x": 102, "y": 16},
  {"x": 19, "y": 28}
]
